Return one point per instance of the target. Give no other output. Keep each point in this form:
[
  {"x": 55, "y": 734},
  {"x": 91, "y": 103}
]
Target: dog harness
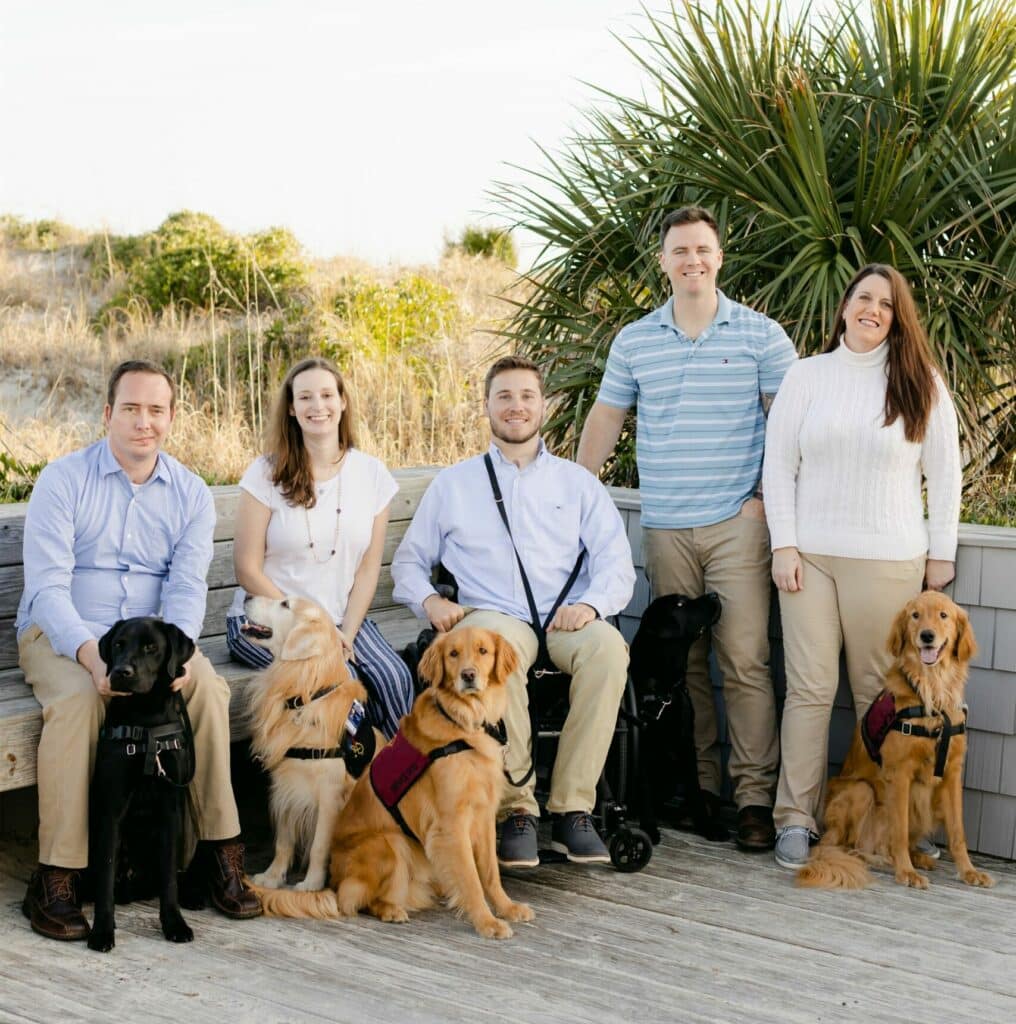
[
  {"x": 883, "y": 716},
  {"x": 399, "y": 766},
  {"x": 356, "y": 750},
  {"x": 151, "y": 741}
]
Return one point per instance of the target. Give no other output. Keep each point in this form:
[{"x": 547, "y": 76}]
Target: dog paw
[
  {"x": 267, "y": 881},
  {"x": 176, "y": 929},
  {"x": 975, "y": 877},
  {"x": 312, "y": 883},
  {"x": 493, "y": 929},
  {"x": 913, "y": 879},
  {"x": 101, "y": 940},
  {"x": 518, "y": 912},
  {"x": 389, "y": 912}
]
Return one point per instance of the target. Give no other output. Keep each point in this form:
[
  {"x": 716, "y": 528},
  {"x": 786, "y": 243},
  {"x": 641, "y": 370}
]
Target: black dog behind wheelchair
[
  {"x": 145, "y": 756},
  {"x": 667, "y": 758}
]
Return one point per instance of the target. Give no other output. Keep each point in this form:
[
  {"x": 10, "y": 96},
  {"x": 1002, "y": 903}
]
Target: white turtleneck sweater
[{"x": 839, "y": 482}]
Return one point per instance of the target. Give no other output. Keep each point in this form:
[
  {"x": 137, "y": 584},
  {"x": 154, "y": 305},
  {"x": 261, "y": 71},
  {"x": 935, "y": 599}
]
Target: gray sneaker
[
  {"x": 928, "y": 848},
  {"x": 792, "y": 845},
  {"x": 518, "y": 846},
  {"x": 575, "y": 835}
]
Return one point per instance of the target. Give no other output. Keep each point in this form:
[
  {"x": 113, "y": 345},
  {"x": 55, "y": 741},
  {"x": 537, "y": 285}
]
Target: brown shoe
[
  {"x": 226, "y": 886},
  {"x": 755, "y": 830},
  {"x": 52, "y": 905}
]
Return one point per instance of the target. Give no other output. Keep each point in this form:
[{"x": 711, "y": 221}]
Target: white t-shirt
[{"x": 290, "y": 563}]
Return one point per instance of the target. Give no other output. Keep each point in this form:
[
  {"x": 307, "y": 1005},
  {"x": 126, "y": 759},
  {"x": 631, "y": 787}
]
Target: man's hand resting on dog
[
  {"x": 570, "y": 617},
  {"x": 443, "y": 614},
  {"x": 88, "y": 656}
]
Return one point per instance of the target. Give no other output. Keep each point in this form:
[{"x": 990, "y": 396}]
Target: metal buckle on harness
[
  {"x": 539, "y": 673},
  {"x": 906, "y": 728},
  {"x": 131, "y": 749}
]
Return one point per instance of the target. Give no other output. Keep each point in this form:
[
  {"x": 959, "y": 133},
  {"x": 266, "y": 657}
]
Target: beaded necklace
[{"x": 338, "y": 514}]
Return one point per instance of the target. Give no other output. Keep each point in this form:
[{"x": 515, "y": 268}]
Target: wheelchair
[{"x": 630, "y": 847}]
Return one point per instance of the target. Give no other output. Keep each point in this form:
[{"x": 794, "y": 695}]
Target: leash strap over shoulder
[{"x": 543, "y": 664}]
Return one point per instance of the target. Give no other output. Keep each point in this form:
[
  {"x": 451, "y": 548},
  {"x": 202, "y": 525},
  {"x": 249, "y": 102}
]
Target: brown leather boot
[
  {"x": 755, "y": 831},
  {"x": 226, "y": 886},
  {"x": 52, "y": 905}
]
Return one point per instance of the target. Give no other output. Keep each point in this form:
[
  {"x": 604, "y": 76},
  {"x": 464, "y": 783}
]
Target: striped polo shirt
[{"x": 700, "y": 428}]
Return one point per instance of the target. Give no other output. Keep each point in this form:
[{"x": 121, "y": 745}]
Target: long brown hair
[
  {"x": 291, "y": 470},
  {"x": 910, "y": 385}
]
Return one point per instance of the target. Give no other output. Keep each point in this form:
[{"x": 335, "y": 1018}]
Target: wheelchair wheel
[{"x": 630, "y": 849}]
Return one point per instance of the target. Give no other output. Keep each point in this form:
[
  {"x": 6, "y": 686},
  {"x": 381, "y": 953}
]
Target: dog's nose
[
  {"x": 927, "y": 636},
  {"x": 468, "y": 675},
  {"x": 123, "y": 671}
]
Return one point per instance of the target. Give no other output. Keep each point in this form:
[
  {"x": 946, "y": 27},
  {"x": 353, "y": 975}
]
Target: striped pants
[{"x": 381, "y": 670}]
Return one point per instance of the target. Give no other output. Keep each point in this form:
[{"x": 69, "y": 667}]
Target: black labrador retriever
[
  {"x": 145, "y": 754},
  {"x": 659, "y": 663}
]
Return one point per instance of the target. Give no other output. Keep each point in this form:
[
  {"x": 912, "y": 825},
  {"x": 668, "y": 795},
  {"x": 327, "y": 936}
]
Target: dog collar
[
  {"x": 495, "y": 732},
  {"x": 298, "y": 702},
  {"x": 357, "y": 751}
]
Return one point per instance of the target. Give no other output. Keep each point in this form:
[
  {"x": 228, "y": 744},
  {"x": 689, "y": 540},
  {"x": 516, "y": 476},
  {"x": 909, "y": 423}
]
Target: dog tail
[
  {"x": 833, "y": 867},
  {"x": 289, "y": 903}
]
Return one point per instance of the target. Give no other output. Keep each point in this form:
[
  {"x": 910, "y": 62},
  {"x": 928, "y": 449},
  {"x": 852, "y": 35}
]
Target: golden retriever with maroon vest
[
  {"x": 904, "y": 772},
  {"x": 421, "y": 824}
]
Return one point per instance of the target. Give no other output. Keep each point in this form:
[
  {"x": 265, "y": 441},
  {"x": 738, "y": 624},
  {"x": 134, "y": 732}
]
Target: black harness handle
[{"x": 543, "y": 664}]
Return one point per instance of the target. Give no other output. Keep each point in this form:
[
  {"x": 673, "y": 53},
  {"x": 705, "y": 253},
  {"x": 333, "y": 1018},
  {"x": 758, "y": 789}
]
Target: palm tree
[{"x": 883, "y": 133}]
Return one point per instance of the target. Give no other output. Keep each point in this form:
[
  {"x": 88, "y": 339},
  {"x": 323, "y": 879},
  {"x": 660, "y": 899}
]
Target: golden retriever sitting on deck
[
  {"x": 420, "y": 824},
  {"x": 904, "y": 772},
  {"x": 298, "y": 710}
]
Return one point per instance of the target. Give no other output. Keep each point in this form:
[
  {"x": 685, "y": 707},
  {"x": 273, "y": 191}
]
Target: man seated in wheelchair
[{"x": 541, "y": 556}]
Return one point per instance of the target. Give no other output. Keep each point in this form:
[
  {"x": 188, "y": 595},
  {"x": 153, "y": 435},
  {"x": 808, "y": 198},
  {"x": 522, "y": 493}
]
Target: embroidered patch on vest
[
  {"x": 877, "y": 722},
  {"x": 395, "y": 769}
]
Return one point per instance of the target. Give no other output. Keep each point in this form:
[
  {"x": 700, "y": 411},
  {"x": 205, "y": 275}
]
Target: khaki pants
[
  {"x": 732, "y": 559},
  {"x": 73, "y": 711},
  {"x": 848, "y": 603},
  {"x": 596, "y": 658}
]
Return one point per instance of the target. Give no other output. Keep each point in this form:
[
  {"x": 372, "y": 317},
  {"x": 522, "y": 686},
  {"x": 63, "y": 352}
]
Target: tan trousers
[
  {"x": 847, "y": 603},
  {"x": 732, "y": 559},
  {"x": 596, "y": 658},
  {"x": 73, "y": 711}
]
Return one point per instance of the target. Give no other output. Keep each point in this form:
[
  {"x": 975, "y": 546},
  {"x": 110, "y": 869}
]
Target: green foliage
[
  {"x": 190, "y": 259},
  {"x": 45, "y": 235},
  {"x": 17, "y": 478},
  {"x": 398, "y": 318},
  {"x": 490, "y": 243},
  {"x": 885, "y": 132}
]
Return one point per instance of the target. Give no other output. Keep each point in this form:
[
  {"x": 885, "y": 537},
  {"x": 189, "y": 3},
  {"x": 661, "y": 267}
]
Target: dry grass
[{"x": 414, "y": 408}]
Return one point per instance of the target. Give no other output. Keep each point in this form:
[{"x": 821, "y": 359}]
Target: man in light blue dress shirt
[
  {"x": 116, "y": 530},
  {"x": 555, "y": 508}
]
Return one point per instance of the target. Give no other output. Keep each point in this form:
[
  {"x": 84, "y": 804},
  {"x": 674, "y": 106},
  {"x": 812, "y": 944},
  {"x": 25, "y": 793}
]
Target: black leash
[{"x": 543, "y": 666}]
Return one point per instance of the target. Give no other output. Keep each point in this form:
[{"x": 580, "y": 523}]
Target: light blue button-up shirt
[
  {"x": 98, "y": 548},
  {"x": 553, "y": 506}
]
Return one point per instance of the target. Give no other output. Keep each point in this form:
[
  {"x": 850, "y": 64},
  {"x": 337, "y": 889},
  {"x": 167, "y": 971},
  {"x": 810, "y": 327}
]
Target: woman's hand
[
  {"x": 938, "y": 573},
  {"x": 788, "y": 573},
  {"x": 347, "y": 645}
]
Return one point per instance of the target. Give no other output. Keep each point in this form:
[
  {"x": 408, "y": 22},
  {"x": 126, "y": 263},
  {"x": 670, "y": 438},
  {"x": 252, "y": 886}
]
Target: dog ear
[
  {"x": 106, "y": 642},
  {"x": 898, "y": 633},
  {"x": 179, "y": 649},
  {"x": 301, "y": 643},
  {"x": 506, "y": 661},
  {"x": 966, "y": 643},
  {"x": 431, "y": 665}
]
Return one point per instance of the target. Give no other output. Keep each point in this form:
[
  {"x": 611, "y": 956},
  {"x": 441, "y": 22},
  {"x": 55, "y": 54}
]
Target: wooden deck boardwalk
[{"x": 705, "y": 933}]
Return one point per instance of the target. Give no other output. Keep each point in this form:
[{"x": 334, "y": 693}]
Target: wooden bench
[{"x": 20, "y": 714}]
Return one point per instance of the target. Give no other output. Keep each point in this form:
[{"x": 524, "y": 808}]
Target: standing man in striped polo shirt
[{"x": 701, "y": 371}]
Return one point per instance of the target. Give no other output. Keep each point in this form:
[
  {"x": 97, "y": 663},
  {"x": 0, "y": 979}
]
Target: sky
[{"x": 369, "y": 129}]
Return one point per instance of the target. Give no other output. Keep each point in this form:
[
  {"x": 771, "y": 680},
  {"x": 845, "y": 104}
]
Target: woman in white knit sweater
[{"x": 849, "y": 438}]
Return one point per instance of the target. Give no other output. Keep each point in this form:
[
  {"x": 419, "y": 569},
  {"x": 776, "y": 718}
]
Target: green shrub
[
  {"x": 46, "y": 234},
  {"x": 17, "y": 478},
  {"x": 396, "y": 318},
  {"x": 492, "y": 243},
  {"x": 190, "y": 259}
]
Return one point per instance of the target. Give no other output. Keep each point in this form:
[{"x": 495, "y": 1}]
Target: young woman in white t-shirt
[
  {"x": 311, "y": 521},
  {"x": 850, "y": 436}
]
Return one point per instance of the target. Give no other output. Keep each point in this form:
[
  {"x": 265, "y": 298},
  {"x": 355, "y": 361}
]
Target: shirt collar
[
  {"x": 108, "y": 464},
  {"x": 723, "y": 310},
  {"x": 498, "y": 456}
]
